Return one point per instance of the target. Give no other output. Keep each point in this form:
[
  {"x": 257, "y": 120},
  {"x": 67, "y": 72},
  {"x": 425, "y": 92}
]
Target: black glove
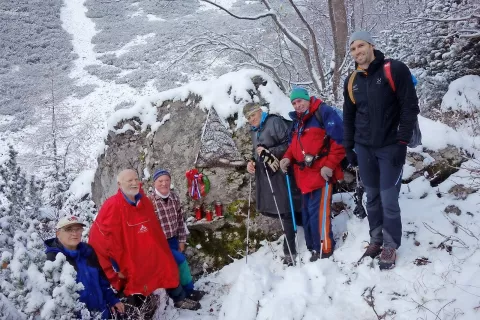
[
  {"x": 399, "y": 154},
  {"x": 269, "y": 159},
  {"x": 352, "y": 157}
]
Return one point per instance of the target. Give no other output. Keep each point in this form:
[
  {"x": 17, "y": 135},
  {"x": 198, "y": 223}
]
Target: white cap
[{"x": 69, "y": 220}]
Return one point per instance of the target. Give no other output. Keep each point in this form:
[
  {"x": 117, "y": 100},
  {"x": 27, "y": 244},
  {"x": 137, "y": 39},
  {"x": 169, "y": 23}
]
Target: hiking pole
[
  {"x": 293, "y": 212},
  {"x": 324, "y": 219},
  {"x": 248, "y": 217},
  {"x": 278, "y": 211}
]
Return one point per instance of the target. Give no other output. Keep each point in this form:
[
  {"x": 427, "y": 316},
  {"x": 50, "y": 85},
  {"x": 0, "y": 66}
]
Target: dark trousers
[
  {"x": 289, "y": 236},
  {"x": 382, "y": 181},
  {"x": 315, "y": 204}
]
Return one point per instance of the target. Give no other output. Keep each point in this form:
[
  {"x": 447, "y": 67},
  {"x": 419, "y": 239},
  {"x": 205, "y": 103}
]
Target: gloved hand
[
  {"x": 269, "y": 159},
  {"x": 399, "y": 154},
  {"x": 284, "y": 164},
  {"x": 352, "y": 157},
  {"x": 326, "y": 173}
]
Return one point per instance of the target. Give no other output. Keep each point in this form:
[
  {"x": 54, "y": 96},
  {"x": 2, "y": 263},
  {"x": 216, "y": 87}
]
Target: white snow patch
[
  {"x": 227, "y": 94},
  {"x": 463, "y": 95},
  {"x": 152, "y": 17},
  {"x": 82, "y": 184},
  {"x": 157, "y": 125},
  {"x": 6, "y": 119},
  {"x": 126, "y": 127},
  {"x": 139, "y": 40},
  {"x": 437, "y": 135},
  {"x": 75, "y": 22}
]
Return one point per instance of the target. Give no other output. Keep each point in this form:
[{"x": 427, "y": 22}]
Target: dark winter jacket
[
  {"x": 97, "y": 293},
  {"x": 273, "y": 134},
  {"x": 310, "y": 137},
  {"x": 380, "y": 116}
]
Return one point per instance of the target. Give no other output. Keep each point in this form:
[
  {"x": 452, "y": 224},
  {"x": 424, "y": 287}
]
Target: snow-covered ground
[{"x": 437, "y": 275}]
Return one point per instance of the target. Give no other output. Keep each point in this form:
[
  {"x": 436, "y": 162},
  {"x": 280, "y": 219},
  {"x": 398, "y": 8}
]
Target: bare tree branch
[
  {"x": 317, "y": 56},
  {"x": 257, "y": 17}
]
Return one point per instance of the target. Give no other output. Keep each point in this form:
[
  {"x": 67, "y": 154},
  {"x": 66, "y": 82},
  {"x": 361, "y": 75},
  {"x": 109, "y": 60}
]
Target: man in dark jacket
[
  {"x": 97, "y": 294},
  {"x": 270, "y": 141},
  {"x": 315, "y": 157},
  {"x": 378, "y": 125}
]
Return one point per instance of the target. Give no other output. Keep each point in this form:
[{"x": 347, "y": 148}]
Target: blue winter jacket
[{"x": 97, "y": 294}]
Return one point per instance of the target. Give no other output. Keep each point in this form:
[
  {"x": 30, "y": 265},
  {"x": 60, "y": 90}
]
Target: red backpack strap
[{"x": 387, "y": 69}]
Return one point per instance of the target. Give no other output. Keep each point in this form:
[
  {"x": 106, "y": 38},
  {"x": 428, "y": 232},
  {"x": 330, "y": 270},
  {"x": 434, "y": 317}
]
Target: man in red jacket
[
  {"x": 316, "y": 160},
  {"x": 132, "y": 248}
]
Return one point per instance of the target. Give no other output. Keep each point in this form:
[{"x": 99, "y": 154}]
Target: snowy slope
[{"x": 437, "y": 274}]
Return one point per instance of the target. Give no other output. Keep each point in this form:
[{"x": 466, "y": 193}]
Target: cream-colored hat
[
  {"x": 250, "y": 108},
  {"x": 69, "y": 220}
]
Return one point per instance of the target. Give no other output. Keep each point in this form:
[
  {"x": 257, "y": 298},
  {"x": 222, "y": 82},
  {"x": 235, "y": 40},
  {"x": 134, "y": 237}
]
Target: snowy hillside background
[{"x": 73, "y": 63}]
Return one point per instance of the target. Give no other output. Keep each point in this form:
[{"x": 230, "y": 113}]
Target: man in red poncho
[{"x": 132, "y": 248}]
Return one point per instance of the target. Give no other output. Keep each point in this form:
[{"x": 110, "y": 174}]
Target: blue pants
[
  {"x": 382, "y": 181},
  {"x": 313, "y": 204},
  {"x": 185, "y": 276}
]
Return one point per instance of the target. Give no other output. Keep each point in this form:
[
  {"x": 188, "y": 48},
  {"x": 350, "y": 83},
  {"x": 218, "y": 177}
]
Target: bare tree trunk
[
  {"x": 54, "y": 136},
  {"x": 338, "y": 21}
]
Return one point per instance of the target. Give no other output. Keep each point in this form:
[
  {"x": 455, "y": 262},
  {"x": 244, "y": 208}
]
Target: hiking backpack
[{"x": 416, "y": 138}]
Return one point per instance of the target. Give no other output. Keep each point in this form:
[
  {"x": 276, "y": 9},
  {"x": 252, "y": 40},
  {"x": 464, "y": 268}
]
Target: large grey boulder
[{"x": 185, "y": 136}]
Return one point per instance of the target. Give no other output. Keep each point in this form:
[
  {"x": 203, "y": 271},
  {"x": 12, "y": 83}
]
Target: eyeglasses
[{"x": 73, "y": 230}]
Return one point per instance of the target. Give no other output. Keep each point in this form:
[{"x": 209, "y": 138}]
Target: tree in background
[
  {"x": 32, "y": 285},
  {"x": 440, "y": 43}
]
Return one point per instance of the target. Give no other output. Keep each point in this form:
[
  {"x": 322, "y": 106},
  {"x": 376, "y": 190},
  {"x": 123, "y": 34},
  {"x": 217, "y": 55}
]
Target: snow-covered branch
[
  {"x": 453, "y": 19},
  {"x": 469, "y": 33}
]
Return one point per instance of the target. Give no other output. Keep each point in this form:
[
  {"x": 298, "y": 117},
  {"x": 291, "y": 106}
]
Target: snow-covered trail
[{"x": 92, "y": 110}]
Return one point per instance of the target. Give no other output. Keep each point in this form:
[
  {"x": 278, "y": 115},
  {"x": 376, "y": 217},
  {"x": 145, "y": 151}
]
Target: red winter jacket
[
  {"x": 131, "y": 238},
  {"x": 312, "y": 139}
]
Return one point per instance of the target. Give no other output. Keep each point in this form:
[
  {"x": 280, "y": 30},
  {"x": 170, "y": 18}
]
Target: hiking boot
[
  {"x": 196, "y": 295},
  {"x": 387, "y": 259},
  {"x": 373, "y": 250},
  {"x": 287, "y": 260},
  {"x": 315, "y": 256},
  {"x": 187, "y": 304}
]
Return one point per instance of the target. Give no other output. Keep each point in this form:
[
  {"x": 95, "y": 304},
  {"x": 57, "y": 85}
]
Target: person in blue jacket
[{"x": 97, "y": 294}]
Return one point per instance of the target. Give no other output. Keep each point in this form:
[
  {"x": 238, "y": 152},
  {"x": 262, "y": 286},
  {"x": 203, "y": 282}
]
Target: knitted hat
[
  {"x": 68, "y": 221},
  {"x": 250, "y": 108},
  {"x": 362, "y": 35},
  {"x": 299, "y": 93},
  {"x": 159, "y": 173}
]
